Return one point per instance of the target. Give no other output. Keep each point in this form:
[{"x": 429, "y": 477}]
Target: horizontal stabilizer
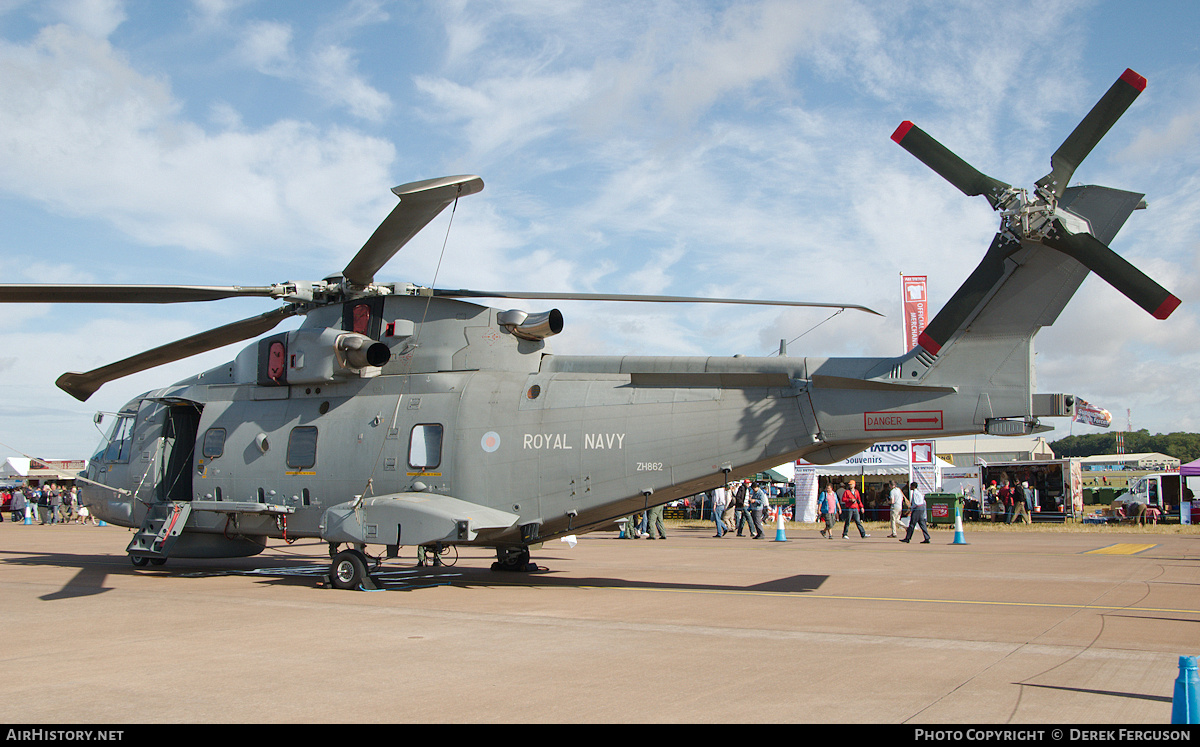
[{"x": 822, "y": 381}]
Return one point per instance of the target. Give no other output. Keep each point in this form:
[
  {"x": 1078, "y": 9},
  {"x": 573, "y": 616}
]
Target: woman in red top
[
  {"x": 1006, "y": 497},
  {"x": 852, "y": 506}
]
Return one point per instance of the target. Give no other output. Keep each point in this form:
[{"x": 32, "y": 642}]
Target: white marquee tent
[
  {"x": 19, "y": 469},
  {"x": 914, "y": 460}
]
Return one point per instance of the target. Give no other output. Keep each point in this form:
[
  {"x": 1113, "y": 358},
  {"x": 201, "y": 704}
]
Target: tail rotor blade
[
  {"x": 1116, "y": 270},
  {"x": 968, "y": 296},
  {"x": 969, "y": 180},
  {"x": 1091, "y": 129}
]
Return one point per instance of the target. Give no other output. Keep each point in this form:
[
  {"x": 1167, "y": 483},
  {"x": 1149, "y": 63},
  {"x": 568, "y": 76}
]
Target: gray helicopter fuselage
[{"x": 464, "y": 408}]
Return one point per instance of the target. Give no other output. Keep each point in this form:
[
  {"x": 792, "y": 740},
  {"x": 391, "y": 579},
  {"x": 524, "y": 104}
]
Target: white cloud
[
  {"x": 326, "y": 69},
  {"x": 98, "y": 18},
  {"x": 267, "y": 47},
  {"x": 502, "y": 115},
  {"x": 333, "y": 74},
  {"x": 87, "y": 135}
]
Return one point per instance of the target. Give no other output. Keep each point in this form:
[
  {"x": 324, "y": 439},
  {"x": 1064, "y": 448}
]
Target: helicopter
[{"x": 401, "y": 415}]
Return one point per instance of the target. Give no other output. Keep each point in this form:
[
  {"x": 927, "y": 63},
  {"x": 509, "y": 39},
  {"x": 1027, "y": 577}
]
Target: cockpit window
[{"x": 120, "y": 440}]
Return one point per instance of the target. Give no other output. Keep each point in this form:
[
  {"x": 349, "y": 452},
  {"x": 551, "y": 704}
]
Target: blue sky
[{"x": 689, "y": 148}]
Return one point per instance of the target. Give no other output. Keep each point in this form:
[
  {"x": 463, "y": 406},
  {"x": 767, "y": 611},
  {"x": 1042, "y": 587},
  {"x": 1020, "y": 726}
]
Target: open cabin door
[{"x": 181, "y": 422}]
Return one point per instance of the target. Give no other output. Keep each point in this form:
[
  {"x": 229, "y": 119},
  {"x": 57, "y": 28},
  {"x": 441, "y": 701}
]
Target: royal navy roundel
[{"x": 490, "y": 441}]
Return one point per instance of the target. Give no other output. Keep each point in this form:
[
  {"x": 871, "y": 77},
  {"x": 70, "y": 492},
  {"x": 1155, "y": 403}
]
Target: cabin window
[
  {"x": 214, "y": 443},
  {"x": 425, "y": 446},
  {"x": 120, "y": 440},
  {"x": 302, "y": 447}
]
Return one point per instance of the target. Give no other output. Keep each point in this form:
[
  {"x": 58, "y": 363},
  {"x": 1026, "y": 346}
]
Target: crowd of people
[
  {"x": 52, "y": 503},
  {"x": 743, "y": 507},
  {"x": 1015, "y": 500},
  {"x": 740, "y": 504},
  {"x": 843, "y": 500}
]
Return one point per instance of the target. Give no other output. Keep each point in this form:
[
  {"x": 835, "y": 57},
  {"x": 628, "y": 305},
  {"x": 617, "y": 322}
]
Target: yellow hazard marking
[{"x": 1121, "y": 548}]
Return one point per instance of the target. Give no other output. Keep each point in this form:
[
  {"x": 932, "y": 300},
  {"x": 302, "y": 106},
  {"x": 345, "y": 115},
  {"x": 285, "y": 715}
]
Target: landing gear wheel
[
  {"x": 158, "y": 561},
  {"x": 139, "y": 561},
  {"x": 513, "y": 559},
  {"x": 348, "y": 570}
]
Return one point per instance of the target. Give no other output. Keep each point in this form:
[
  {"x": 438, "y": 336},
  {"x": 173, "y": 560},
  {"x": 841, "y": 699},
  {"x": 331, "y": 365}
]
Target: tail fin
[
  {"x": 987, "y": 327},
  {"x": 1047, "y": 243}
]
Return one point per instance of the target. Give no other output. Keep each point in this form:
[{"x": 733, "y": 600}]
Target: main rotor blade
[
  {"x": 1091, "y": 129},
  {"x": 42, "y": 293},
  {"x": 1120, "y": 274},
  {"x": 953, "y": 169},
  {"x": 420, "y": 202},
  {"x": 463, "y": 293},
  {"x": 83, "y": 385}
]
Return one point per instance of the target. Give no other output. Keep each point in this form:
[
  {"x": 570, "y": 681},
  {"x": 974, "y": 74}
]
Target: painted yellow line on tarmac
[
  {"x": 1121, "y": 548},
  {"x": 849, "y": 598}
]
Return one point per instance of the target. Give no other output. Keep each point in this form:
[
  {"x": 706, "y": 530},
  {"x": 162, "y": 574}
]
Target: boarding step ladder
[{"x": 163, "y": 525}]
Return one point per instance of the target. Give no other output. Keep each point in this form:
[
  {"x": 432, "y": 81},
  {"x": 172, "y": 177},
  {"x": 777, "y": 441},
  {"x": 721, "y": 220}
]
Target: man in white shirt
[
  {"x": 896, "y": 496},
  {"x": 718, "y": 508},
  {"x": 917, "y": 500}
]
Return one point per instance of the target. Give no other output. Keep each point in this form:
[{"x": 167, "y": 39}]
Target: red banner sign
[{"x": 916, "y": 308}]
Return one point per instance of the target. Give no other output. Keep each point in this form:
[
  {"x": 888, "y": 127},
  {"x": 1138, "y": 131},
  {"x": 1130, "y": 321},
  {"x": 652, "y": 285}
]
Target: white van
[{"x": 1167, "y": 492}]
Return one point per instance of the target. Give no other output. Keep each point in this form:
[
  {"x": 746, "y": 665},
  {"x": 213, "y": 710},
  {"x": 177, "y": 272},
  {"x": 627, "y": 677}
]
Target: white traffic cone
[
  {"x": 959, "y": 539},
  {"x": 779, "y": 534}
]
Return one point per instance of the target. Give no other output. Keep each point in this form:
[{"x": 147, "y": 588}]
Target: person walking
[
  {"x": 916, "y": 499},
  {"x": 1007, "y": 498},
  {"x": 1021, "y": 501},
  {"x": 741, "y": 507},
  {"x": 758, "y": 504},
  {"x": 727, "y": 515},
  {"x": 896, "y": 498},
  {"x": 18, "y": 505},
  {"x": 852, "y": 506},
  {"x": 42, "y": 498},
  {"x": 654, "y": 522},
  {"x": 66, "y": 511},
  {"x": 718, "y": 509},
  {"x": 55, "y": 504},
  {"x": 827, "y": 503},
  {"x": 992, "y": 498}
]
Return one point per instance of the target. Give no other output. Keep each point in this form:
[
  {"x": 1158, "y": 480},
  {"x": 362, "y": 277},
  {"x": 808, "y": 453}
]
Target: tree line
[{"x": 1183, "y": 446}]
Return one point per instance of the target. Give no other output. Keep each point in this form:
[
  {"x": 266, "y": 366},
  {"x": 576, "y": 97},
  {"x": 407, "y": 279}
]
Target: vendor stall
[{"x": 901, "y": 462}]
